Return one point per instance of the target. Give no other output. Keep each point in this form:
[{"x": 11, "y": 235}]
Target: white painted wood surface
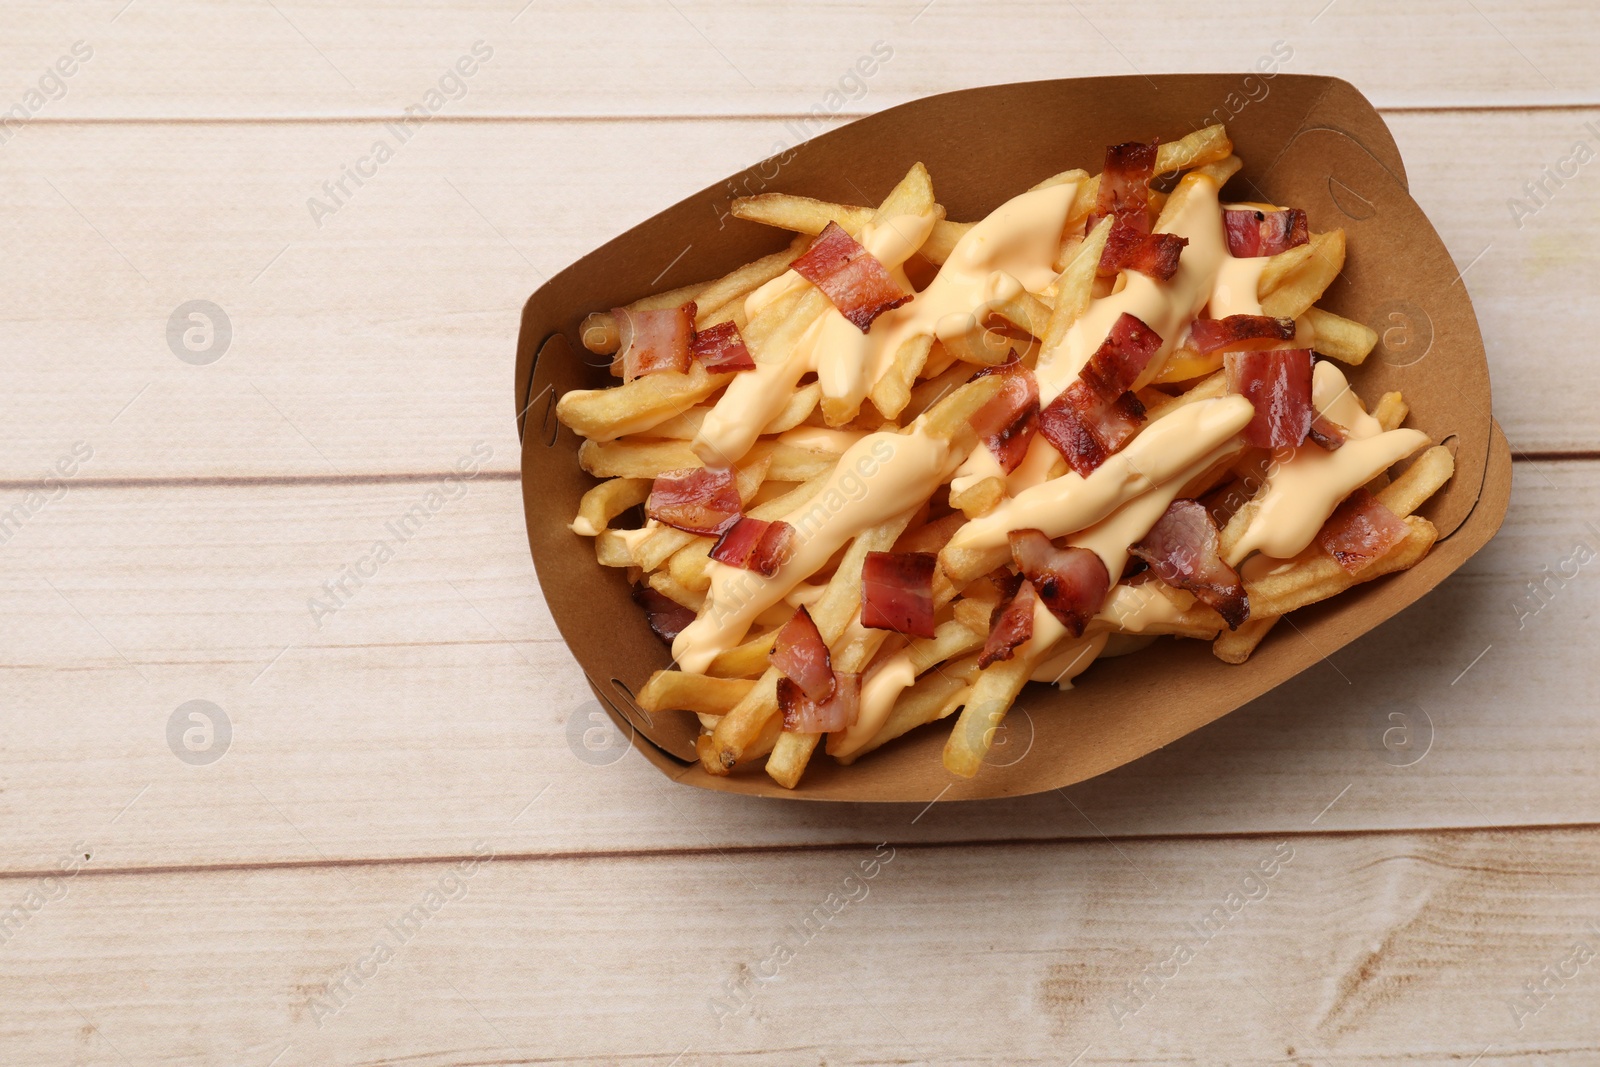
[{"x": 434, "y": 713}]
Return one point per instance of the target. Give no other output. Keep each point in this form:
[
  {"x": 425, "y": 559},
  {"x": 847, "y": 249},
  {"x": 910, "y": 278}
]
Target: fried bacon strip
[
  {"x": 755, "y": 545},
  {"x": 1278, "y": 384},
  {"x": 721, "y": 348},
  {"x": 897, "y": 592},
  {"x": 1072, "y": 582},
  {"x": 666, "y": 616},
  {"x": 802, "y": 656},
  {"x": 1182, "y": 550},
  {"x": 1007, "y": 423},
  {"x": 1360, "y": 531},
  {"x": 803, "y": 715},
  {"x": 1011, "y": 626},
  {"x": 852, "y": 277},
  {"x": 1326, "y": 433},
  {"x": 1238, "y": 331},
  {"x": 698, "y": 500},
  {"x": 1095, "y": 415},
  {"x": 1264, "y": 233},
  {"x": 654, "y": 340}
]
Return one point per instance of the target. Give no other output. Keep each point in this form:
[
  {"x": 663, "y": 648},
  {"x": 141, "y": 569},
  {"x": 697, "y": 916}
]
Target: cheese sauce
[
  {"x": 1306, "y": 484},
  {"x": 1008, "y": 252}
]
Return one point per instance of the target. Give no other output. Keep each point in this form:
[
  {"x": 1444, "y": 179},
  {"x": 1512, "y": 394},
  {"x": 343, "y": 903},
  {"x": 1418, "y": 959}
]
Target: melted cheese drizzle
[
  {"x": 1307, "y": 483},
  {"x": 1071, "y": 502},
  {"x": 877, "y": 478},
  {"x": 1008, "y": 252},
  {"x": 1166, "y": 307}
]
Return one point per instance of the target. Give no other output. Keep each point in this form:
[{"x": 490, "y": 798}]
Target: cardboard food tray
[{"x": 1312, "y": 142}]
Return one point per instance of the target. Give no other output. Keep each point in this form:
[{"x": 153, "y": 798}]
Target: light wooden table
[{"x": 419, "y": 740}]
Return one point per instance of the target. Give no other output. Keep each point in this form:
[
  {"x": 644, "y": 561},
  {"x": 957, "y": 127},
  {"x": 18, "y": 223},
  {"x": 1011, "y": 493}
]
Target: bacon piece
[
  {"x": 699, "y": 500},
  {"x": 1122, "y": 356},
  {"x": 859, "y": 286},
  {"x": 803, "y": 715},
  {"x": 1278, "y": 383},
  {"x": 1067, "y": 434},
  {"x": 1008, "y": 422},
  {"x": 1010, "y": 627},
  {"x": 666, "y": 616},
  {"x": 1095, "y": 415},
  {"x": 1125, "y": 183},
  {"x": 755, "y": 545},
  {"x": 1264, "y": 233},
  {"x": 1327, "y": 433},
  {"x": 897, "y": 592},
  {"x": 1182, "y": 550},
  {"x": 654, "y": 340},
  {"x": 1072, "y": 582},
  {"x": 1361, "y": 530},
  {"x": 721, "y": 348},
  {"x": 800, "y": 653},
  {"x": 1237, "y": 331},
  {"x": 1155, "y": 254}
]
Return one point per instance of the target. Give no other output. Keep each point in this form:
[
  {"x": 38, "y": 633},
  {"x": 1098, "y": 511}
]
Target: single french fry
[
  {"x": 1340, "y": 338},
  {"x": 606, "y": 501},
  {"x": 668, "y": 586},
  {"x": 1235, "y": 646},
  {"x": 1219, "y": 171},
  {"x": 759, "y": 747},
  {"x": 892, "y": 392},
  {"x": 1208, "y": 389},
  {"x": 744, "y": 661},
  {"x": 600, "y": 333},
  {"x": 740, "y": 283},
  {"x": 930, "y": 537},
  {"x": 1208, "y": 145},
  {"x": 611, "y": 549},
  {"x": 789, "y": 757},
  {"x": 993, "y": 693},
  {"x": 1075, "y": 286},
  {"x": 1026, "y": 312},
  {"x": 688, "y": 565},
  {"x": 808, "y": 216},
  {"x": 1427, "y": 473},
  {"x": 651, "y": 399},
  {"x": 1076, "y": 174},
  {"x": 1391, "y": 410},
  {"x": 677, "y": 691},
  {"x": 1305, "y": 285},
  {"x": 979, "y": 498},
  {"x": 951, "y": 418},
  {"x": 1185, "y": 364},
  {"x": 1315, "y": 575},
  {"x": 1280, "y": 267}
]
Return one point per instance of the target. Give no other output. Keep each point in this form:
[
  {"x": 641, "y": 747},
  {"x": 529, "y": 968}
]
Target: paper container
[{"x": 1312, "y": 142}]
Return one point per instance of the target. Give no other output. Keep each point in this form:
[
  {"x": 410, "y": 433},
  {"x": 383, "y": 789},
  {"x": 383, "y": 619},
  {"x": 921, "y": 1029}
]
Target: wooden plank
[
  {"x": 1348, "y": 950},
  {"x": 189, "y": 58},
  {"x": 438, "y": 702},
  {"x": 380, "y": 341}
]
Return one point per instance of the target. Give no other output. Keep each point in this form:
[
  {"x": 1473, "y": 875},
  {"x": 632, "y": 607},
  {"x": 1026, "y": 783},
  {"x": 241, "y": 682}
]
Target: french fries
[{"x": 853, "y": 471}]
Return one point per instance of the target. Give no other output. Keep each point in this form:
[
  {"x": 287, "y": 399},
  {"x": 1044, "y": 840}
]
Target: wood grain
[
  {"x": 190, "y": 58},
  {"x": 379, "y": 341},
  {"x": 1363, "y": 949},
  {"x": 438, "y": 701}
]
